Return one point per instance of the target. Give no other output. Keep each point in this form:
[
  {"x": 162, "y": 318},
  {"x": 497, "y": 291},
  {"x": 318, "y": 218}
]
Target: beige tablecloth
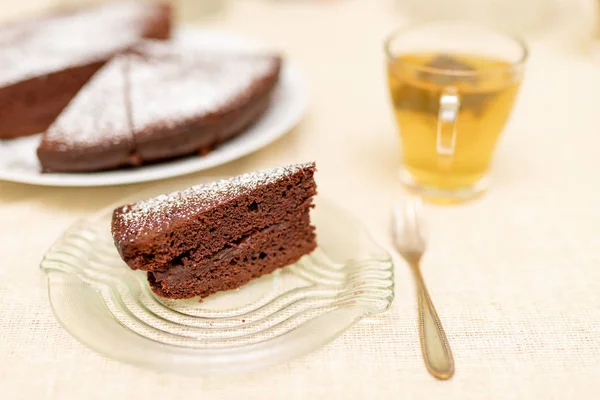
[{"x": 515, "y": 275}]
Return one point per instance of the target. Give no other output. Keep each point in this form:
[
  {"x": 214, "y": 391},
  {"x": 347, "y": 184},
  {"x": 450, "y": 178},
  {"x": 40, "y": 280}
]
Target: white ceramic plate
[{"x": 18, "y": 160}]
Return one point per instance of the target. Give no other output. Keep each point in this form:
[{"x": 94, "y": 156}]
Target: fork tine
[
  {"x": 406, "y": 213},
  {"x": 419, "y": 225},
  {"x": 412, "y": 210},
  {"x": 415, "y": 215},
  {"x": 407, "y": 222}
]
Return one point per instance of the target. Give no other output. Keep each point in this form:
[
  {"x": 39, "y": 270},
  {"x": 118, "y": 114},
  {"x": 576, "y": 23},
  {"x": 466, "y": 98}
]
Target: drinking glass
[{"x": 453, "y": 86}]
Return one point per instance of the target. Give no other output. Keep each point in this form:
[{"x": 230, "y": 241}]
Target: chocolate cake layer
[
  {"x": 257, "y": 254},
  {"x": 206, "y": 218},
  {"x": 44, "y": 61},
  {"x": 93, "y": 132}
]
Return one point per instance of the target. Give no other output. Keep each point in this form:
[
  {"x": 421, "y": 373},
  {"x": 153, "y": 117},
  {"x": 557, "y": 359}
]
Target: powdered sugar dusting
[
  {"x": 38, "y": 47},
  {"x": 154, "y": 214},
  {"x": 169, "y": 91},
  {"x": 97, "y": 116}
]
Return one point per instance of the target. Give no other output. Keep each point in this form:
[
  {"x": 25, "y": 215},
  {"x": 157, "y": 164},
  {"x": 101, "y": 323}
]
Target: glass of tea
[{"x": 452, "y": 86}]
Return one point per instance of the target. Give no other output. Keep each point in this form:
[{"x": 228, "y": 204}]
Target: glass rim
[{"x": 455, "y": 72}]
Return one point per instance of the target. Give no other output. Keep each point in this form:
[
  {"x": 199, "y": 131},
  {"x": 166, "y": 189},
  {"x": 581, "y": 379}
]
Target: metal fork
[{"x": 409, "y": 238}]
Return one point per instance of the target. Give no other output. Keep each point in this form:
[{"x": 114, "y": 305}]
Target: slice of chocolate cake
[
  {"x": 44, "y": 61},
  {"x": 219, "y": 236},
  {"x": 93, "y": 132},
  {"x": 185, "y": 100}
]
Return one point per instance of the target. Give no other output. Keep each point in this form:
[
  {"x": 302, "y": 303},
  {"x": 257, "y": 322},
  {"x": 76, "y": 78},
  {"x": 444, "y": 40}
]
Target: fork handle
[{"x": 434, "y": 344}]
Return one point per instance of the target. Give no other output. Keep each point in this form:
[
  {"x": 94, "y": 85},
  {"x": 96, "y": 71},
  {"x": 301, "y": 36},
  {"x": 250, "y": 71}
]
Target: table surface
[{"x": 515, "y": 275}]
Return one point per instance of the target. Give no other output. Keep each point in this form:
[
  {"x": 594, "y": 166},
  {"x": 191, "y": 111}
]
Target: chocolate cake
[
  {"x": 187, "y": 100},
  {"x": 219, "y": 236},
  {"x": 93, "y": 132},
  {"x": 44, "y": 61},
  {"x": 173, "y": 102}
]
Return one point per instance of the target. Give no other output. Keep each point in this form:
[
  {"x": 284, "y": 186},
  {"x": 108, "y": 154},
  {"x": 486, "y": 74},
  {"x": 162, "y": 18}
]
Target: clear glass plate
[{"x": 273, "y": 319}]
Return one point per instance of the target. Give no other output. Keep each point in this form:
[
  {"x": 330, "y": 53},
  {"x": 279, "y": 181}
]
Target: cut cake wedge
[{"x": 219, "y": 236}]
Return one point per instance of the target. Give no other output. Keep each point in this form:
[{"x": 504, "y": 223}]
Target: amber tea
[{"x": 450, "y": 122}]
